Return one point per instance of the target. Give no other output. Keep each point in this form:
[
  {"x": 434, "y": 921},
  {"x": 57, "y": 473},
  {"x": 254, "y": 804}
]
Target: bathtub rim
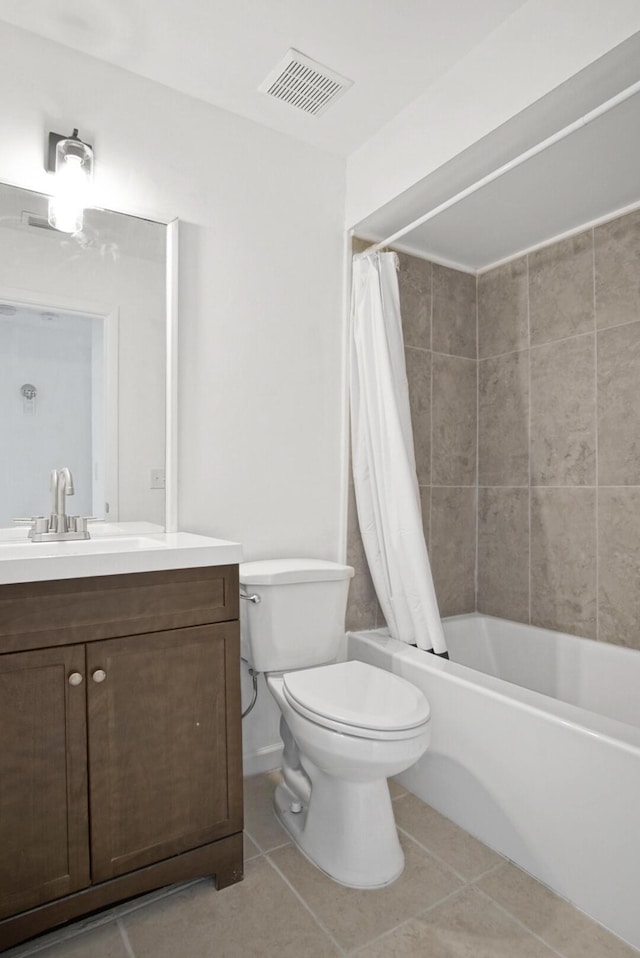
[{"x": 617, "y": 733}]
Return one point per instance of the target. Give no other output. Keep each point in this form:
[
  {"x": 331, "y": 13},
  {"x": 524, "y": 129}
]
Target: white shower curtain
[{"x": 384, "y": 468}]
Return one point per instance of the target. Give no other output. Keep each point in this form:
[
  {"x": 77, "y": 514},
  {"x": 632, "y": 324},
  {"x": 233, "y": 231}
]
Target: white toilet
[{"x": 346, "y": 727}]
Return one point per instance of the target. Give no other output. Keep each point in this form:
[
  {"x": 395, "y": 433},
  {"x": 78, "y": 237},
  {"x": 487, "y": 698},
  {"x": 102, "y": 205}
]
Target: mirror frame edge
[{"x": 171, "y": 424}]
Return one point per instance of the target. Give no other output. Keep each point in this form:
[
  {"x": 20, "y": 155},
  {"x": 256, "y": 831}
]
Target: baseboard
[{"x": 262, "y": 760}]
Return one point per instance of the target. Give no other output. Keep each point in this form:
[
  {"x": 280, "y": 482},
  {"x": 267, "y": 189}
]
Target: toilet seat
[{"x": 357, "y": 699}]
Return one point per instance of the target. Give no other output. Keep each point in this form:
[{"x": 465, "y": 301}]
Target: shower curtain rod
[{"x": 507, "y": 167}]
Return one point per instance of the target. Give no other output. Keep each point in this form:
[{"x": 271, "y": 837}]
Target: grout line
[
  {"x": 390, "y": 931},
  {"x": 477, "y": 568},
  {"x": 596, "y": 431},
  {"x": 529, "y": 436},
  {"x": 430, "y": 537},
  {"x": 437, "y": 485},
  {"x": 432, "y": 854},
  {"x": 491, "y": 869},
  {"x": 295, "y": 891},
  {"x": 597, "y": 330},
  {"x": 265, "y": 851},
  {"x": 125, "y": 939},
  {"x": 521, "y": 924}
]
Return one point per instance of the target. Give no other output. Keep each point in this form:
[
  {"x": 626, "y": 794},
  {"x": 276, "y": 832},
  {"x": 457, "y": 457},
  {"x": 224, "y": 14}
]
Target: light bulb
[{"x": 74, "y": 170}]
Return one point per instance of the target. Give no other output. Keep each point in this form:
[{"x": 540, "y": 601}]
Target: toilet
[{"x": 346, "y": 726}]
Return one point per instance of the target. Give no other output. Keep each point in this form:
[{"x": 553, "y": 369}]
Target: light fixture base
[{"x": 54, "y": 139}]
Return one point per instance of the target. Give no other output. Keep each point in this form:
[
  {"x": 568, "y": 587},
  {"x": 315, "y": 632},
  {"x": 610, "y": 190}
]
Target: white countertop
[{"x": 114, "y": 549}]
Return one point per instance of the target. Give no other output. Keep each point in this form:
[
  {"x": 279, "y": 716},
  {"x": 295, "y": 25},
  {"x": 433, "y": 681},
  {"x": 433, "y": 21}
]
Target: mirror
[{"x": 84, "y": 326}]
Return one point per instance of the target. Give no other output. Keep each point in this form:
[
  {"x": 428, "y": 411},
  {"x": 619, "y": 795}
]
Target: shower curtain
[{"x": 384, "y": 469}]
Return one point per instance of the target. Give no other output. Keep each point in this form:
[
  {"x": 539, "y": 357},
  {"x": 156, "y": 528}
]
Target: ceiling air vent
[{"x": 305, "y": 84}]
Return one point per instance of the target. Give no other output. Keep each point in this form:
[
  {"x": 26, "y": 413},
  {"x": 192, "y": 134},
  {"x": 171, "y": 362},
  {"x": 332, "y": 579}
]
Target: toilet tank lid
[{"x": 289, "y": 571}]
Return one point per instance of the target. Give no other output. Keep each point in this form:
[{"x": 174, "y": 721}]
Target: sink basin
[
  {"x": 24, "y": 561},
  {"x": 46, "y": 550}
]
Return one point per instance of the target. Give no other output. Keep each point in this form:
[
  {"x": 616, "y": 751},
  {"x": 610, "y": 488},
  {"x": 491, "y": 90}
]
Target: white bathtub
[{"x": 535, "y": 750}]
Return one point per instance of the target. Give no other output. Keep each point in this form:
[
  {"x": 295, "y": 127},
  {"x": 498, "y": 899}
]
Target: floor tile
[
  {"x": 103, "y": 942},
  {"x": 259, "y": 819},
  {"x": 465, "y": 854},
  {"x": 556, "y": 921},
  {"x": 396, "y": 790},
  {"x": 251, "y": 850},
  {"x": 467, "y": 925},
  {"x": 355, "y": 916},
  {"x": 259, "y": 917}
]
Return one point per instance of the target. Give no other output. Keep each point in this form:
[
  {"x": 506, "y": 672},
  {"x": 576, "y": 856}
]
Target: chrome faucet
[
  {"x": 59, "y": 526},
  {"x": 61, "y": 487}
]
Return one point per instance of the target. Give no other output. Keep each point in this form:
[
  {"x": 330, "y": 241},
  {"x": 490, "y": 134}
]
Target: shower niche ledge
[{"x": 120, "y": 739}]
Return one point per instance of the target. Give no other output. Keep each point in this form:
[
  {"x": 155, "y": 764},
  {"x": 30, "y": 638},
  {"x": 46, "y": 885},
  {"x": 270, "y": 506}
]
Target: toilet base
[{"x": 347, "y": 829}]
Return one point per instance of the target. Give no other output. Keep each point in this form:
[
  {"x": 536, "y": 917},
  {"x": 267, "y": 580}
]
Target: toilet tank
[{"x": 299, "y": 620}]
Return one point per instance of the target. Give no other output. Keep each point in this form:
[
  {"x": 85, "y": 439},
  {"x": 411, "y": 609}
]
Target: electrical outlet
[{"x": 157, "y": 479}]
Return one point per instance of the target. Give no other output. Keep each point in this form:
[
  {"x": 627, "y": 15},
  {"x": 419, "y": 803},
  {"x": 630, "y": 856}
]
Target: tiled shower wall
[
  {"x": 558, "y": 435},
  {"x": 438, "y": 308}
]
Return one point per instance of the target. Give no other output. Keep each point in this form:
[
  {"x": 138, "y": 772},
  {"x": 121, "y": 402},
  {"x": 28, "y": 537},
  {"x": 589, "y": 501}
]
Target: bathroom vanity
[{"x": 120, "y": 738}]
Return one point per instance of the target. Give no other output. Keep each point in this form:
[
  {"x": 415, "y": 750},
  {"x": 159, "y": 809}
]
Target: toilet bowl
[
  {"x": 334, "y": 800},
  {"x": 346, "y": 726}
]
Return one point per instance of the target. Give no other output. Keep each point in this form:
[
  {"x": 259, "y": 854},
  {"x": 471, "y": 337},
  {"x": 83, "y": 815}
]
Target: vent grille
[{"x": 305, "y": 84}]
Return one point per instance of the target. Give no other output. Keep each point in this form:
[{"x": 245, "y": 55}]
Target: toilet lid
[{"x": 359, "y": 695}]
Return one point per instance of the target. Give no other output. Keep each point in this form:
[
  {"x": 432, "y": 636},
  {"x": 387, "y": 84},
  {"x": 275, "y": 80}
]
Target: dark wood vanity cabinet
[{"x": 120, "y": 741}]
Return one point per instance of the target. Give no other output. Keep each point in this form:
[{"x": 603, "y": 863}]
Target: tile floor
[{"x": 456, "y": 899}]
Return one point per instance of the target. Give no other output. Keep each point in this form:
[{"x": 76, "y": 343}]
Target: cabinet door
[
  {"x": 164, "y": 745},
  {"x": 44, "y": 838}
]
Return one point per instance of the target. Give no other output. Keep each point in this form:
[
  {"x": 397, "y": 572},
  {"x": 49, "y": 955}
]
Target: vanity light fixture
[{"x": 71, "y": 160}]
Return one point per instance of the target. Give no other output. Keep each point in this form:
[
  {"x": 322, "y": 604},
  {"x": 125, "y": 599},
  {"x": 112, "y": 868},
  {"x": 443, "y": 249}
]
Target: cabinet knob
[
  {"x": 99, "y": 675},
  {"x": 75, "y": 678}
]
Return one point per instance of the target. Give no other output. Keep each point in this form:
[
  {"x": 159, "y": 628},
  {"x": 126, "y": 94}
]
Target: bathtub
[{"x": 535, "y": 750}]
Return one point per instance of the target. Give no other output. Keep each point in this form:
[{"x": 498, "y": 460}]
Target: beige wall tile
[
  {"x": 454, "y": 312},
  {"x": 563, "y": 560},
  {"x": 359, "y": 245},
  {"x": 503, "y": 553},
  {"x": 561, "y": 301},
  {"x": 563, "y": 413},
  {"x": 453, "y": 548},
  {"x": 502, "y": 309},
  {"x": 617, "y": 261},
  {"x": 503, "y": 428},
  {"x": 619, "y": 406},
  {"x": 425, "y": 506},
  {"x": 619, "y": 565},
  {"x": 454, "y": 421},
  {"x": 418, "y": 362},
  {"x": 362, "y": 602},
  {"x": 414, "y": 281}
]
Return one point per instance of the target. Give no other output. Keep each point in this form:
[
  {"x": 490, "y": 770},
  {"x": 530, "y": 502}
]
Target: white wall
[
  {"x": 261, "y": 404},
  {"x": 541, "y": 45}
]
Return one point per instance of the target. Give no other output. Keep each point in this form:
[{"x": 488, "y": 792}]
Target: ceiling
[
  {"x": 589, "y": 176},
  {"x": 393, "y": 50},
  {"x": 220, "y": 52},
  {"x": 585, "y": 178}
]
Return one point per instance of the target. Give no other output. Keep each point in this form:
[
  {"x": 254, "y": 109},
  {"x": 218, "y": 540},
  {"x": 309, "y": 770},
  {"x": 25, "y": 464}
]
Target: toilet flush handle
[{"x": 251, "y": 598}]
